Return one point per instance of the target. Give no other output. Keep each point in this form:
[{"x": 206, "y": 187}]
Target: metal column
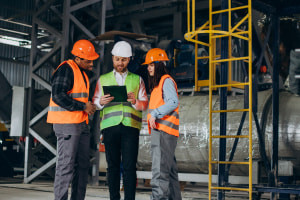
[
  {"x": 275, "y": 102},
  {"x": 223, "y": 101}
]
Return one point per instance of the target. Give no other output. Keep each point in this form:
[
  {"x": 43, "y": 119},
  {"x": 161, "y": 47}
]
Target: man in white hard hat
[{"x": 121, "y": 121}]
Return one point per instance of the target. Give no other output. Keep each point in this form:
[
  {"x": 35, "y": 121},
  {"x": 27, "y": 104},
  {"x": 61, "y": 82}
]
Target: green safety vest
[{"x": 115, "y": 113}]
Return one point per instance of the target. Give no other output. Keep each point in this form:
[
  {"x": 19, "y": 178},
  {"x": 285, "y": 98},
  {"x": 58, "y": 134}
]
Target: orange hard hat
[
  {"x": 155, "y": 54},
  {"x": 84, "y": 49}
]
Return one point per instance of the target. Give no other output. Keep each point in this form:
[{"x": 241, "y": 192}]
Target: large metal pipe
[{"x": 192, "y": 147}]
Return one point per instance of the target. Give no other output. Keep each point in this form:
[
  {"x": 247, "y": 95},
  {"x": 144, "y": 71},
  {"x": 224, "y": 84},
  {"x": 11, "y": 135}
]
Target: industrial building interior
[{"x": 237, "y": 66}]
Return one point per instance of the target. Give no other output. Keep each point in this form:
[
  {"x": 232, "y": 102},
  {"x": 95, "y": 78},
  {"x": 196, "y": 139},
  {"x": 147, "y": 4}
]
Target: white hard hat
[{"x": 122, "y": 49}]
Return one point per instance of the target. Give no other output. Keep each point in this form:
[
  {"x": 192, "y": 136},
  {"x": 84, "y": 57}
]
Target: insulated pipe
[{"x": 192, "y": 147}]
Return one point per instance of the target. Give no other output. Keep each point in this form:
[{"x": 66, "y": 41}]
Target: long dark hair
[{"x": 159, "y": 70}]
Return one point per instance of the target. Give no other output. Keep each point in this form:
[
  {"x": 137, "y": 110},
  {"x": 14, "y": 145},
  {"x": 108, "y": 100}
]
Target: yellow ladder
[{"x": 214, "y": 59}]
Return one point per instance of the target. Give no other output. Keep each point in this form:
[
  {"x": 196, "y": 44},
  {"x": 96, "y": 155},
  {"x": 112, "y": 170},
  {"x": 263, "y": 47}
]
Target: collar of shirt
[{"x": 120, "y": 78}]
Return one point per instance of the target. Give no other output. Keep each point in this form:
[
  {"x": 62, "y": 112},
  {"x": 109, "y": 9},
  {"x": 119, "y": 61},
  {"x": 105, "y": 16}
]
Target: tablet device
[{"x": 119, "y": 92}]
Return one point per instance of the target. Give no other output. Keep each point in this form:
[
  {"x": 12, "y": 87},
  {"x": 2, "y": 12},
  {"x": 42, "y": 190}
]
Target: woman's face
[{"x": 151, "y": 68}]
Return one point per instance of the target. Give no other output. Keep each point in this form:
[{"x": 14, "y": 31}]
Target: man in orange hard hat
[{"x": 68, "y": 112}]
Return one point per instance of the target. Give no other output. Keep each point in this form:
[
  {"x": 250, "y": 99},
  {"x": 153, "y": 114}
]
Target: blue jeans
[{"x": 121, "y": 141}]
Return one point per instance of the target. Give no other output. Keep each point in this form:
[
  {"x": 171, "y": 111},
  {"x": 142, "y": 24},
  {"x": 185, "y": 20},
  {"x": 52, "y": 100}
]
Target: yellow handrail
[
  {"x": 233, "y": 110},
  {"x": 214, "y": 59},
  {"x": 230, "y": 162},
  {"x": 230, "y": 136},
  {"x": 230, "y": 188},
  {"x": 250, "y": 94},
  {"x": 226, "y": 10}
]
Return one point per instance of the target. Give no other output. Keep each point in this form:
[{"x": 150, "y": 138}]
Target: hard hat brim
[
  {"x": 146, "y": 63},
  {"x": 92, "y": 57}
]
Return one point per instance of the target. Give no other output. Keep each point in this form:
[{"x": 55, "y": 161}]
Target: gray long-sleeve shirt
[{"x": 170, "y": 98}]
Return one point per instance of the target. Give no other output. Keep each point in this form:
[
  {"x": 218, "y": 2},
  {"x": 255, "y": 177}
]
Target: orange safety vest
[
  {"x": 79, "y": 92},
  {"x": 169, "y": 123}
]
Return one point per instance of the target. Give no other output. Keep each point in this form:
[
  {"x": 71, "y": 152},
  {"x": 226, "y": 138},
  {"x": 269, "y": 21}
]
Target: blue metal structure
[{"x": 275, "y": 9}]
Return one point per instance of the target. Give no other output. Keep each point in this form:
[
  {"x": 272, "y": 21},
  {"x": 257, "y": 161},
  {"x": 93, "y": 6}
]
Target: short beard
[{"x": 123, "y": 69}]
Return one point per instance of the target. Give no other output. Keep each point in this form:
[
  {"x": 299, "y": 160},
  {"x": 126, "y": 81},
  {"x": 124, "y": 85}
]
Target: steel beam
[
  {"x": 177, "y": 25},
  {"x": 275, "y": 99},
  {"x": 257, "y": 32},
  {"x": 49, "y": 28},
  {"x": 40, "y": 171},
  {"x": 223, "y": 102},
  {"x": 38, "y": 116},
  {"x": 61, "y": 41},
  {"x": 83, "y": 4},
  {"x": 82, "y": 27},
  {"x": 33, "y": 58},
  {"x": 44, "y": 7},
  {"x": 66, "y": 30},
  {"x": 42, "y": 141},
  {"x": 95, "y": 131},
  {"x": 46, "y": 57},
  {"x": 143, "y": 6},
  {"x": 41, "y": 81}
]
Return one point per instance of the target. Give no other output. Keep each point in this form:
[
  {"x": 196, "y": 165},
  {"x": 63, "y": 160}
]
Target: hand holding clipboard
[
  {"x": 116, "y": 93},
  {"x": 131, "y": 98}
]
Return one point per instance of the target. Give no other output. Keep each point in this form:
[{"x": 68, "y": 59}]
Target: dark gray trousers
[
  {"x": 165, "y": 184},
  {"x": 72, "y": 165}
]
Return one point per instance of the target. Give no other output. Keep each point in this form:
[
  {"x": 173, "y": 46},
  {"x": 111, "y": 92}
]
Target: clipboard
[{"x": 119, "y": 92}]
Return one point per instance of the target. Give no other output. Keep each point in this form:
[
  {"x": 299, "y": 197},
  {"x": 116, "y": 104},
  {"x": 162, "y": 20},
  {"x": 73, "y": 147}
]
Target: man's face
[
  {"x": 120, "y": 63},
  {"x": 84, "y": 64}
]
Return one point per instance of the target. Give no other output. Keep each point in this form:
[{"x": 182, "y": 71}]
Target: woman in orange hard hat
[
  {"x": 68, "y": 112},
  {"x": 163, "y": 125}
]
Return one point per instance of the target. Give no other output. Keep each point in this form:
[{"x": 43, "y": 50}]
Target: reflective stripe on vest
[
  {"x": 120, "y": 113},
  {"x": 77, "y": 95},
  {"x": 79, "y": 92},
  {"x": 117, "y": 103},
  {"x": 170, "y": 122},
  {"x": 115, "y": 113}
]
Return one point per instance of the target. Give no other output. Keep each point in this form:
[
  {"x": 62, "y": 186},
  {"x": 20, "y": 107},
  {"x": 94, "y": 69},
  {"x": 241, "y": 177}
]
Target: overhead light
[{"x": 15, "y": 41}]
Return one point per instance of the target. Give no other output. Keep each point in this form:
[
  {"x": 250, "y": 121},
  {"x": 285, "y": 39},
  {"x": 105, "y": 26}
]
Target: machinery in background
[
  {"x": 182, "y": 62},
  {"x": 12, "y": 129},
  {"x": 11, "y": 154}
]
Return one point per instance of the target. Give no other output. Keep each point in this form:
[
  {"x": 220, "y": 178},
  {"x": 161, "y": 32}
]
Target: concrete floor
[{"x": 14, "y": 189}]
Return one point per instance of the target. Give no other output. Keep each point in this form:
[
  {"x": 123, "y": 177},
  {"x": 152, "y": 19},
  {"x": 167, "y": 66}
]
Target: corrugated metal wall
[
  {"x": 17, "y": 10},
  {"x": 14, "y": 61},
  {"x": 17, "y": 73}
]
